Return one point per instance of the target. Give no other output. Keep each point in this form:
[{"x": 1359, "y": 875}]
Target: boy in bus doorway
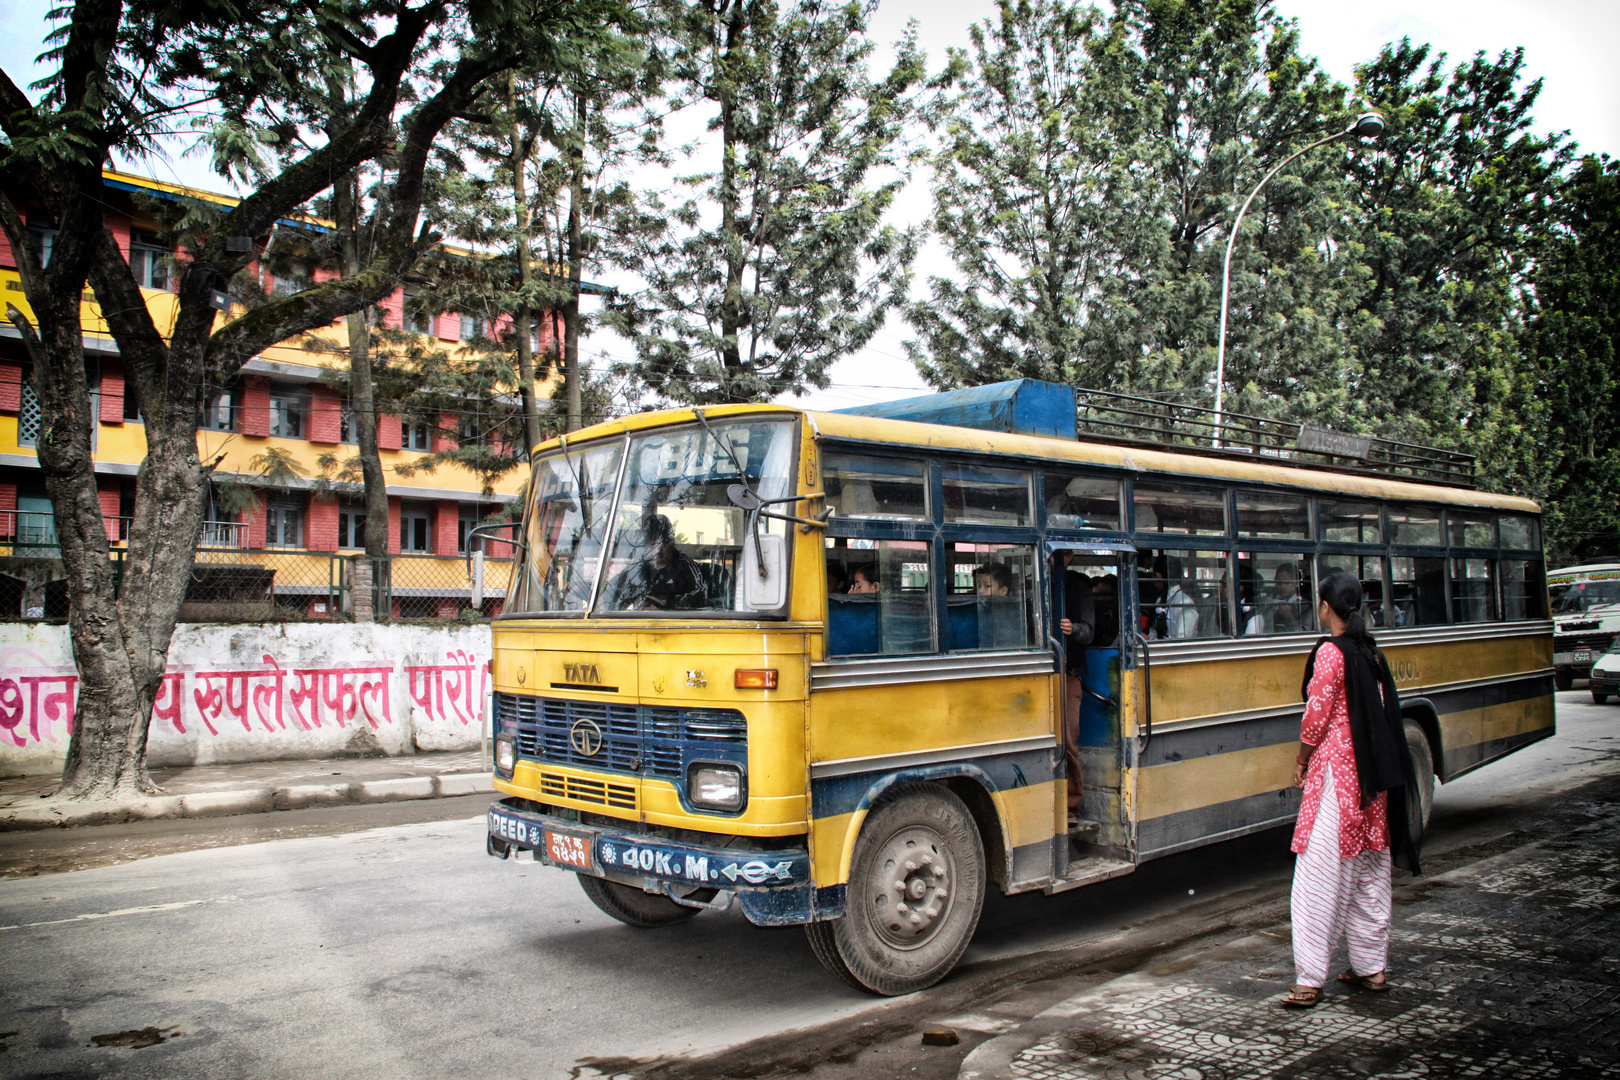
[{"x": 1078, "y": 626}]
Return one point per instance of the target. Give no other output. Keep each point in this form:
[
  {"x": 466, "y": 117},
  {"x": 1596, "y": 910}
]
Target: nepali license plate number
[
  {"x": 514, "y": 830},
  {"x": 1581, "y": 658},
  {"x": 568, "y": 849}
]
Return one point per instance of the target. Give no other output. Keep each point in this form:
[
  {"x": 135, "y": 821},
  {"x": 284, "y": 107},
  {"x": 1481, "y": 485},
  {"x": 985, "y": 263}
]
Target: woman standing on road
[{"x": 1352, "y": 757}]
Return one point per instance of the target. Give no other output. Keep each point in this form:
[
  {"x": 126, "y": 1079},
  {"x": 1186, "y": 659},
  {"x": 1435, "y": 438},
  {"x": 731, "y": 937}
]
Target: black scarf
[{"x": 1378, "y": 739}]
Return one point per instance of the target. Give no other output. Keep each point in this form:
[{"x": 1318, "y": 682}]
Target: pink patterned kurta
[{"x": 1327, "y": 727}]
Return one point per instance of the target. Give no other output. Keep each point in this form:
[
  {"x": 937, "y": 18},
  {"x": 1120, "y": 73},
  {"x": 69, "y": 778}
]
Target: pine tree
[
  {"x": 1573, "y": 343},
  {"x": 763, "y": 269}
]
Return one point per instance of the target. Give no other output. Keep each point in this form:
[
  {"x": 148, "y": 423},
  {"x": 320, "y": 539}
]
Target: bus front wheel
[
  {"x": 632, "y": 906},
  {"x": 1563, "y": 679},
  {"x": 916, "y": 887}
]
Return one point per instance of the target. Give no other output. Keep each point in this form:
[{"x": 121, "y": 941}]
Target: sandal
[
  {"x": 1303, "y": 997},
  {"x": 1377, "y": 982}
]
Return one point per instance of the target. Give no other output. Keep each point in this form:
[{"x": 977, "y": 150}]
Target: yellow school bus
[{"x": 809, "y": 662}]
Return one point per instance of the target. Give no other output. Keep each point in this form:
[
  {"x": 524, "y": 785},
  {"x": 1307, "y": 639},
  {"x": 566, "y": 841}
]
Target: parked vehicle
[
  {"x": 885, "y": 587},
  {"x": 1605, "y": 676},
  {"x": 1586, "y": 611}
]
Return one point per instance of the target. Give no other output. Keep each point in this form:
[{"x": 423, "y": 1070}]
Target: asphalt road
[{"x": 405, "y": 951}]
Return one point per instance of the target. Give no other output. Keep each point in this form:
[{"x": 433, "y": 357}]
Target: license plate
[
  {"x": 705, "y": 868},
  {"x": 514, "y": 830},
  {"x": 568, "y": 849},
  {"x": 1581, "y": 658}
]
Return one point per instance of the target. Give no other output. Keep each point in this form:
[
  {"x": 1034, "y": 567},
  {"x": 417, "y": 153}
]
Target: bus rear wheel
[
  {"x": 631, "y": 906},
  {"x": 1417, "y": 746},
  {"x": 916, "y": 887}
]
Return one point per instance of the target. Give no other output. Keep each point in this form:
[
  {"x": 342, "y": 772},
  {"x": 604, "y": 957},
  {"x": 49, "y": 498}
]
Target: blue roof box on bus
[{"x": 1024, "y": 406}]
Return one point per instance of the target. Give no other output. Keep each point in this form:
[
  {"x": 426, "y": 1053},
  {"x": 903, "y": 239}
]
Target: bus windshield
[
  {"x": 1580, "y": 596},
  {"x": 573, "y": 503},
  {"x": 680, "y": 542}
]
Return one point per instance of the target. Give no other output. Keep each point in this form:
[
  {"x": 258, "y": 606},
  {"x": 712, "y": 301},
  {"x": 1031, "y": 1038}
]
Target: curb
[{"x": 260, "y": 799}]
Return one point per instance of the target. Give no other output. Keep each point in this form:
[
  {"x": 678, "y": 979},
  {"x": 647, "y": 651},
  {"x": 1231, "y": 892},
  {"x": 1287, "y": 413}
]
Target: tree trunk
[
  {"x": 523, "y": 318},
  {"x": 106, "y": 755},
  {"x": 576, "y": 264}
]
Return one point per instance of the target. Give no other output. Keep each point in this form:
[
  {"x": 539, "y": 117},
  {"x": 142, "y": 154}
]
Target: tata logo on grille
[
  {"x": 585, "y": 737},
  {"x": 581, "y": 673}
]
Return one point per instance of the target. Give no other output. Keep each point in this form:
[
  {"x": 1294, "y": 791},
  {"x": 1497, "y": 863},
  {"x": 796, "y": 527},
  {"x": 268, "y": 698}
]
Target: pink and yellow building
[{"x": 278, "y": 402}]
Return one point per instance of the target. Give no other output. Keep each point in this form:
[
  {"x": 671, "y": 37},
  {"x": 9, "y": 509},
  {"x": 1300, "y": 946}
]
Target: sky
[{"x": 1568, "y": 43}]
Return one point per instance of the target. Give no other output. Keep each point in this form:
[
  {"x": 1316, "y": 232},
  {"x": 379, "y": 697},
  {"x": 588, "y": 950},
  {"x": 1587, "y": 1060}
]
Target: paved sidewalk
[
  {"x": 1505, "y": 967},
  {"x": 252, "y": 788}
]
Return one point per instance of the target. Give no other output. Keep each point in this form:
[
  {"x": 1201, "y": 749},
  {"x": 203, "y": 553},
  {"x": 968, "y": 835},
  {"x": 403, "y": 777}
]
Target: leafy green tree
[
  {"x": 123, "y": 75},
  {"x": 1089, "y": 174},
  {"x": 765, "y": 268},
  {"x": 1573, "y": 341},
  {"x": 1452, "y": 202}
]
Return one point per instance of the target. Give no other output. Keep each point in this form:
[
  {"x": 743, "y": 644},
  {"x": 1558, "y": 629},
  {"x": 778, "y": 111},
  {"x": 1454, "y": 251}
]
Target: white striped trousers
[{"x": 1334, "y": 897}]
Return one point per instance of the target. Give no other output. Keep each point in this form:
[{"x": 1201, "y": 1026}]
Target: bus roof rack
[{"x": 1032, "y": 407}]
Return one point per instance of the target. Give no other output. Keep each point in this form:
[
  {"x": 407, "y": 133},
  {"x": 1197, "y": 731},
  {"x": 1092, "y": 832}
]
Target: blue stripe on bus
[
  {"x": 1169, "y": 745},
  {"x": 1188, "y": 828},
  {"x": 1464, "y": 759},
  {"x": 835, "y": 795}
]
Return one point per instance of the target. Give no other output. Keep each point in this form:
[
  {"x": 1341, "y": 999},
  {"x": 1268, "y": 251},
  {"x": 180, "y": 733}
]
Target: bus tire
[
  {"x": 916, "y": 887},
  {"x": 631, "y": 906},
  {"x": 1563, "y": 679},
  {"x": 1417, "y": 747}
]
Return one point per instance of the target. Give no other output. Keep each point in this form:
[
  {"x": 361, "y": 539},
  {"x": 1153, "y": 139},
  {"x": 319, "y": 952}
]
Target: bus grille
[
  {"x": 648, "y": 740},
  {"x": 584, "y": 789},
  {"x": 1570, "y": 642}
]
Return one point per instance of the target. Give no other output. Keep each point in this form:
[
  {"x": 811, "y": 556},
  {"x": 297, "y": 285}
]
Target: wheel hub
[{"x": 910, "y": 891}]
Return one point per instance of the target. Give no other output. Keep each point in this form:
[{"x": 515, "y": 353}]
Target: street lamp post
[{"x": 1367, "y": 126}]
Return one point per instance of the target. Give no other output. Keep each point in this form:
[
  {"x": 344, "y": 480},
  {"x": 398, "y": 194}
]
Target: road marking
[{"x": 178, "y": 904}]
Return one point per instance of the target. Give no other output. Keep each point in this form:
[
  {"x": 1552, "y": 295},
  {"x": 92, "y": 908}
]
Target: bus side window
[
  {"x": 887, "y": 605},
  {"x": 992, "y": 597}
]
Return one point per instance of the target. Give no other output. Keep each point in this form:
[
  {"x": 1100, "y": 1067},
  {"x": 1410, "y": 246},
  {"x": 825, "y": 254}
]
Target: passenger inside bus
[{"x": 663, "y": 579}]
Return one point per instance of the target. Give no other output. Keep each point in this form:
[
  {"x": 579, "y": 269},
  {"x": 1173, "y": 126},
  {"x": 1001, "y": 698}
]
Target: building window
[
  {"x": 415, "y": 528},
  {"x": 287, "y": 407},
  {"x": 464, "y": 526},
  {"x": 44, "y": 238},
  {"x": 28, "y": 414},
  {"x": 351, "y": 525},
  {"x": 148, "y": 260},
  {"x": 284, "y": 524},
  {"x": 219, "y": 413},
  {"x": 287, "y": 281},
  {"x": 415, "y": 436},
  {"x": 472, "y": 326},
  {"x": 417, "y": 319},
  {"x": 347, "y": 431}
]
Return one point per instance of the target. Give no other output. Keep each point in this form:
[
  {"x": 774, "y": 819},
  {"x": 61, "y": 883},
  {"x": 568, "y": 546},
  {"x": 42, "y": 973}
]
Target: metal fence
[
  {"x": 231, "y": 582},
  {"x": 420, "y": 586}
]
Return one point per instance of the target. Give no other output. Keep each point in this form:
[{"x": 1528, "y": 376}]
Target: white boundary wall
[{"x": 262, "y": 692}]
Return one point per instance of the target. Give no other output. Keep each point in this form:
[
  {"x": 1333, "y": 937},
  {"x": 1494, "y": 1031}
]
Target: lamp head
[{"x": 1368, "y": 125}]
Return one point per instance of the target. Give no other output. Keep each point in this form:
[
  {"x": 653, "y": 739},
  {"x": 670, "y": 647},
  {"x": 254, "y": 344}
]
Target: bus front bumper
[{"x": 773, "y": 886}]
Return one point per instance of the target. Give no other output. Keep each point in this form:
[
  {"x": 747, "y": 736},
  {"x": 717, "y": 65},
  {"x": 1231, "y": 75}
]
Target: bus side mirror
[{"x": 765, "y": 592}]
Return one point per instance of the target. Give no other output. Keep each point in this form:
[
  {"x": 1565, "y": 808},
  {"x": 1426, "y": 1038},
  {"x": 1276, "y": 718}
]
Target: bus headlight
[
  {"x": 715, "y": 786},
  {"x": 505, "y": 756}
]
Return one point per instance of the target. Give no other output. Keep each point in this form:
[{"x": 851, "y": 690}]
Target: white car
[{"x": 1605, "y": 675}]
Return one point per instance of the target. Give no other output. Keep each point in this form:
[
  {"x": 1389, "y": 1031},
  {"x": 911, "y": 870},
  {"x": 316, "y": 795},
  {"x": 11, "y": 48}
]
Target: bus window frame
[{"x": 940, "y": 535}]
